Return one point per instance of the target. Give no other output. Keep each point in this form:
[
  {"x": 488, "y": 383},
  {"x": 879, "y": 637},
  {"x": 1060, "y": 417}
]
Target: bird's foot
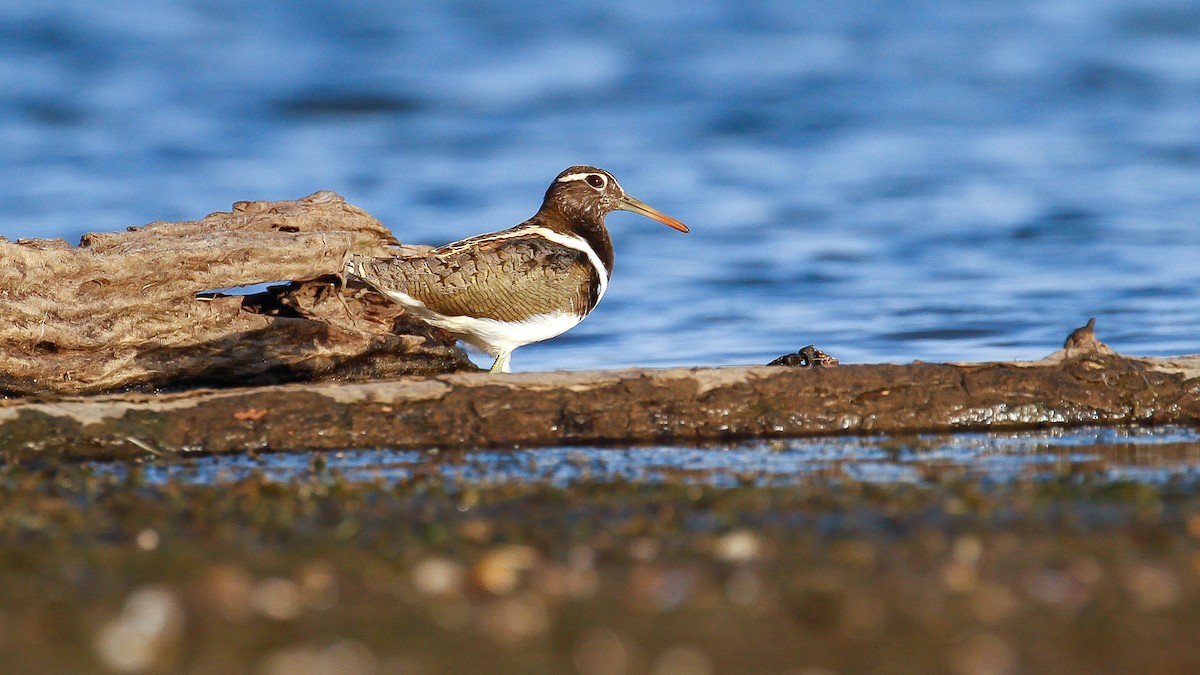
[{"x": 501, "y": 364}]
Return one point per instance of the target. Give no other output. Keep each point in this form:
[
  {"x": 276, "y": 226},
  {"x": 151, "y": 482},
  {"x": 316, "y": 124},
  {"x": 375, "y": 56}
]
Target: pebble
[
  {"x": 500, "y": 568},
  {"x": 142, "y": 637},
  {"x": 228, "y": 588},
  {"x": 277, "y": 598},
  {"x": 438, "y": 576},
  {"x": 1152, "y": 588},
  {"x": 738, "y": 546}
]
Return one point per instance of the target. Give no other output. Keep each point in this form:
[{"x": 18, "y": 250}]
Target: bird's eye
[{"x": 595, "y": 181}]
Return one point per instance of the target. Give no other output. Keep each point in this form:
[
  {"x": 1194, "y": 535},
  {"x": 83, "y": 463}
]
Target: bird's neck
[{"x": 590, "y": 229}]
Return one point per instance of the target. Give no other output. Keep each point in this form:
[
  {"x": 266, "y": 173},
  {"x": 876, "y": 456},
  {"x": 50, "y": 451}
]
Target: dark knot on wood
[{"x": 808, "y": 357}]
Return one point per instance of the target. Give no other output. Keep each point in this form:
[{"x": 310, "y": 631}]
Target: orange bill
[{"x": 630, "y": 204}]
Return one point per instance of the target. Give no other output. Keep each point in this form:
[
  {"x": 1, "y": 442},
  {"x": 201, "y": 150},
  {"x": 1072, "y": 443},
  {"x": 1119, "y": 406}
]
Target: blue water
[
  {"x": 1151, "y": 456},
  {"x": 888, "y": 180}
]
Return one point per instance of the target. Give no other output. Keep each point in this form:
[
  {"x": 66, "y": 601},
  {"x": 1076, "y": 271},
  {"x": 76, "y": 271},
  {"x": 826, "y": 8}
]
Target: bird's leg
[{"x": 501, "y": 364}]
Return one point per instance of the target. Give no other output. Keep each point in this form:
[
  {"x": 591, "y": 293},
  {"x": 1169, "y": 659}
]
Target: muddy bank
[
  {"x": 1084, "y": 383},
  {"x": 1070, "y": 574}
]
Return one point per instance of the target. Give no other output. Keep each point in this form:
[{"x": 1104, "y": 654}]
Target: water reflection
[{"x": 1146, "y": 455}]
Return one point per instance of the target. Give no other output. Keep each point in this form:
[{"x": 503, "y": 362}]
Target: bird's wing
[{"x": 505, "y": 278}]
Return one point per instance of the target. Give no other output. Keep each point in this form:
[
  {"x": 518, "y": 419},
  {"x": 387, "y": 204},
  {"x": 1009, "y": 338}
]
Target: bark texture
[
  {"x": 1085, "y": 383},
  {"x": 121, "y": 309}
]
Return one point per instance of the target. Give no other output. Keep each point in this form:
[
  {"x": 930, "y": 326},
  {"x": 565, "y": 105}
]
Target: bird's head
[{"x": 588, "y": 193}]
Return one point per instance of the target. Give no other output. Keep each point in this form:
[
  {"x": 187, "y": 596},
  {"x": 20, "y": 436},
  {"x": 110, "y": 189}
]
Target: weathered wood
[
  {"x": 121, "y": 309},
  {"x": 1084, "y": 383}
]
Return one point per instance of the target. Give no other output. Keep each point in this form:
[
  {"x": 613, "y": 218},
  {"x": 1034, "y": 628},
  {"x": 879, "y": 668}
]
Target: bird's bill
[{"x": 630, "y": 204}]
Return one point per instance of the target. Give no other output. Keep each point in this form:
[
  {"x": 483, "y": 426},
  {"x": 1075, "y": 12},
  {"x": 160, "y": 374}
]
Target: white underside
[{"x": 494, "y": 337}]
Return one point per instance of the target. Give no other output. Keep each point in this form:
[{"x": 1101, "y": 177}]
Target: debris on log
[
  {"x": 807, "y": 357},
  {"x": 122, "y": 310},
  {"x": 1084, "y": 383}
]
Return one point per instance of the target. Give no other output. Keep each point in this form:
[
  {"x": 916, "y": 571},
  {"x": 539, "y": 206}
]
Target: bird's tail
[{"x": 355, "y": 266}]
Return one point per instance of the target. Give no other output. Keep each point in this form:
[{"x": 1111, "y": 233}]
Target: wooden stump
[{"x": 121, "y": 310}]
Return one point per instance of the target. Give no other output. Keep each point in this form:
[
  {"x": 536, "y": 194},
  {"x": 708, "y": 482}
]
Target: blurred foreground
[{"x": 1071, "y": 568}]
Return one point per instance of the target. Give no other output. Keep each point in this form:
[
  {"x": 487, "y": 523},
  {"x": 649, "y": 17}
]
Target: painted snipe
[{"x": 526, "y": 284}]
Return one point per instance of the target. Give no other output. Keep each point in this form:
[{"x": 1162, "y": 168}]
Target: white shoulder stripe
[{"x": 579, "y": 244}]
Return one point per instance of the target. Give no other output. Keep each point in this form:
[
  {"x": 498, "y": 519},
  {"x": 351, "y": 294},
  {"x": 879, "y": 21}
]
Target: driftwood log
[
  {"x": 1085, "y": 383},
  {"x": 122, "y": 310},
  {"x": 129, "y": 311}
]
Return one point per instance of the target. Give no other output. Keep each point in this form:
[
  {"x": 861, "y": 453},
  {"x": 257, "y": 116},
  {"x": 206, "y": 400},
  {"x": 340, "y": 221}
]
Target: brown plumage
[
  {"x": 506, "y": 279},
  {"x": 528, "y": 283}
]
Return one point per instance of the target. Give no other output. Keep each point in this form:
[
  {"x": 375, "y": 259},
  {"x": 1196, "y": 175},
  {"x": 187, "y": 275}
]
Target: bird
[{"x": 528, "y": 283}]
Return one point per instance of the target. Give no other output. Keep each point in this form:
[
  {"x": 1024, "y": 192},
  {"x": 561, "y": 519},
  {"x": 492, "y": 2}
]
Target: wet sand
[{"x": 1072, "y": 572}]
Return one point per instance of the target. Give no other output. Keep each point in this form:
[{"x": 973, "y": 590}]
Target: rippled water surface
[{"x": 890, "y": 181}]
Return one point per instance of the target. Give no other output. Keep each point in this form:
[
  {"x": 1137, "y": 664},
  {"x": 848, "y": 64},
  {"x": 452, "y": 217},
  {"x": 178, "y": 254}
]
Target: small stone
[
  {"x": 438, "y": 576},
  {"x": 500, "y": 569},
  {"x": 674, "y": 588},
  {"x": 143, "y": 636},
  {"x": 644, "y": 549},
  {"x": 476, "y": 530},
  {"x": 147, "y": 539},
  {"x": 807, "y": 357},
  {"x": 277, "y": 598},
  {"x": 1193, "y": 525},
  {"x": 318, "y": 585},
  {"x": 959, "y": 577},
  {"x": 1152, "y": 588},
  {"x": 228, "y": 589},
  {"x": 968, "y": 550},
  {"x": 738, "y": 546}
]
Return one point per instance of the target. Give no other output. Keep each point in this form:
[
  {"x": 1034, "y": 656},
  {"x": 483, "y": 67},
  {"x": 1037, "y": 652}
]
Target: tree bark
[
  {"x": 121, "y": 309},
  {"x": 1085, "y": 383}
]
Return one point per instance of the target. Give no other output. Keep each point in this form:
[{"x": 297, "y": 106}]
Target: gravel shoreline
[{"x": 318, "y": 574}]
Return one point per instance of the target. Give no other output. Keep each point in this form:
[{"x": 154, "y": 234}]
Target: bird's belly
[
  {"x": 498, "y": 337},
  {"x": 491, "y": 335}
]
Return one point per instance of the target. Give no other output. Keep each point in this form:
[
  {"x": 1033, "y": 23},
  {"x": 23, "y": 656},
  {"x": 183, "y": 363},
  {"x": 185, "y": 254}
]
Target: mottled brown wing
[{"x": 506, "y": 279}]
